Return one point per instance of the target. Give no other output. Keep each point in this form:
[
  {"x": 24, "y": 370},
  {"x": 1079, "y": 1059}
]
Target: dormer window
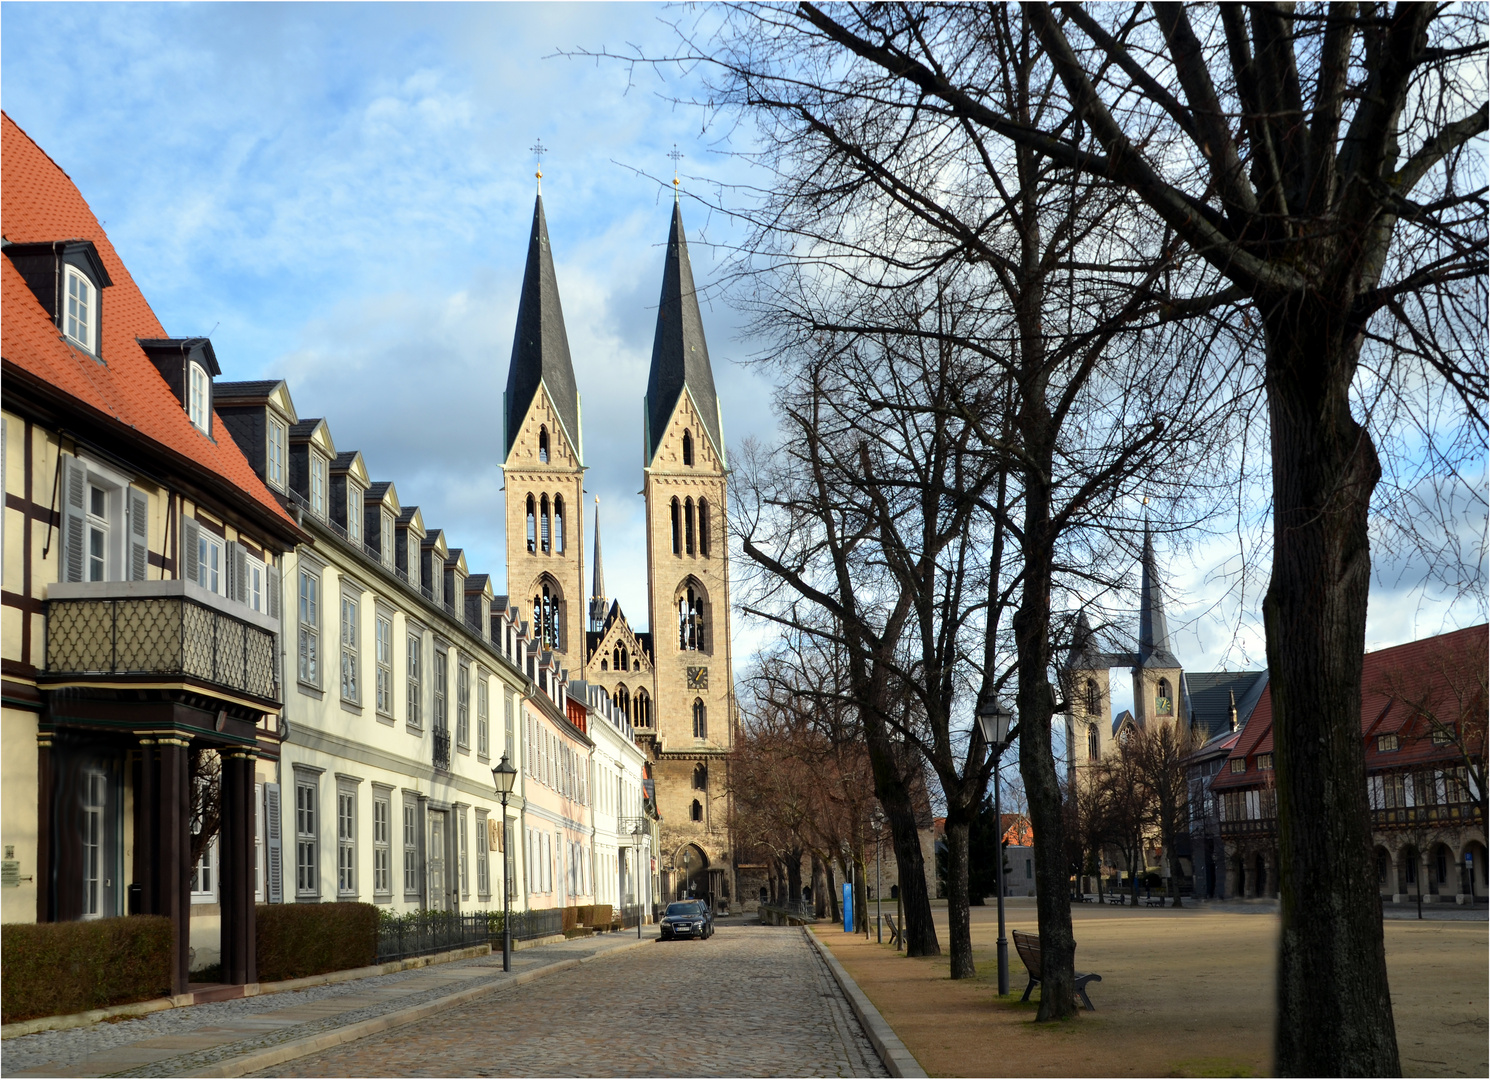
[
  {"x": 197, "y": 396},
  {"x": 278, "y": 435},
  {"x": 354, "y": 513},
  {"x": 386, "y": 540},
  {"x": 82, "y": 309},
  {"x": 318, "y": 485}
]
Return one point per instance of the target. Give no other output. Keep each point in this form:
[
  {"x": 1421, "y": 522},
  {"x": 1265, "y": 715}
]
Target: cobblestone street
[{"x": 751, "y": 1001}]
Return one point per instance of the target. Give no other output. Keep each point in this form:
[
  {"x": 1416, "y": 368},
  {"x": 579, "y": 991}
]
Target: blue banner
[{"x": 848, "y": 907}]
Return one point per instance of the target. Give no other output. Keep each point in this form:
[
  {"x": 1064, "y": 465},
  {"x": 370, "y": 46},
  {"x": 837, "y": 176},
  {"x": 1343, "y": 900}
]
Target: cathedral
[{"x": 674, "y": 679}]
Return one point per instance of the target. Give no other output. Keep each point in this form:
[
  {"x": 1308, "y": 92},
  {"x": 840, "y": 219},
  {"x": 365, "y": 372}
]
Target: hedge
[
  {"x": 59, "y": 968},
  {"x": 297, "y": 940}
]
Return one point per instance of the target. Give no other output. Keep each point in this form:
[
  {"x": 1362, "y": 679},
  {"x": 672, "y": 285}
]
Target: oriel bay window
[{"x": 105, "y": 525}]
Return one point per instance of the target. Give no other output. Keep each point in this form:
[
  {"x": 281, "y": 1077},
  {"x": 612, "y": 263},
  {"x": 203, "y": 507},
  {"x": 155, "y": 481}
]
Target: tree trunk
[
  {"x": 895, "y": 798},
  {"x": 794, "y": 877},
  {"x": 835, "y": 912},
  {"x": 1174, "y": 872},
  {"x": 959, "y": 932},
  {"x": 819, "y": 888},
  {"x": 1334, "y": 1008}
]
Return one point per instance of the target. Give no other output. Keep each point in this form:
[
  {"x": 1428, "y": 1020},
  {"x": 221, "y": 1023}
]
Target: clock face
[{"x": 698, "y": 678}]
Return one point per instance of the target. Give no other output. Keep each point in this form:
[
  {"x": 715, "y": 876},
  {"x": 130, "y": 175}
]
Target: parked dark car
[{"x": 687, "y": 919}]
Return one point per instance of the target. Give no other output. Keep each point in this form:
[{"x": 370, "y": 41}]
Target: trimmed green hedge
[
  {"x": 55, "y": 969},
  {"x": 297, "y": 940}
]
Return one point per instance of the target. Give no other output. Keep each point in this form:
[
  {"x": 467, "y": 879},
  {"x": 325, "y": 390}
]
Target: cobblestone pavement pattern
[{"x": 751, "y": 1001}]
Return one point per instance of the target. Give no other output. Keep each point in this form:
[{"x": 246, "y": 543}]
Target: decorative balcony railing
[
  {"x": 442, "y": 748},
  {"x": 1250, "y": 827},
  {"x": 161, "y": 629},
  {"x": 1437, "y": 814}
]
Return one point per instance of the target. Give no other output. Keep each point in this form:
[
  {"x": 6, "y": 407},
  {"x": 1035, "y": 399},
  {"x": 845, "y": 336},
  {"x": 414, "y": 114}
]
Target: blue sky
[{"x": 340, "y": 196}]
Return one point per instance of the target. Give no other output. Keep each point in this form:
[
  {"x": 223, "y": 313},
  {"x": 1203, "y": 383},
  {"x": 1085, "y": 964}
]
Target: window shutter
[
  {"x": 74, "y": 519},
  {"x": 139, "y": 535},
  {"x": 271, "y": 590},
  {"x": 237, "y": 572},
  {"x": 190, "y": 535},
  {"x": 272, "y": 862},
  {"x": 230, "y": 575}
]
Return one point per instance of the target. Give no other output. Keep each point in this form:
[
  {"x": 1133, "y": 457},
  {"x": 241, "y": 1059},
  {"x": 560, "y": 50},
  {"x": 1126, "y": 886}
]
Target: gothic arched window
[
  {"x": 543, "y": 445},
  {"x": 1163, "y": 699},
  {"x": 687, "y": 448},
  {"x": 700, "y": 719},
  {"x": 701, "y": 777},
  {"x": 546, "y": 618},
  {"x": 545, "y": 525},
  {"x": 696, "y": 811},
  {"x": 691, "y": 621},
  {"x": 703, "y": 527},
  {"x": 532, "y": 526},
  {"x": 677, "y": 529},
  {"x": 641, "y": 712},
  {"x": 621, "y": 699},
  {"x": 688, "y": 525},
  {"x": 559, "y": 524},
  {"x": 1093, "y": 743},
  {"x": 1093, "y": 697}
]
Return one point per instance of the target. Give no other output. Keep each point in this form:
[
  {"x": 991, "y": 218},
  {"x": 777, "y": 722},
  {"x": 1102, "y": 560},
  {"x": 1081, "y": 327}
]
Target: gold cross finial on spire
[
  {"x": 677, "y": 156},
  {"x": 538, "y": 150}
]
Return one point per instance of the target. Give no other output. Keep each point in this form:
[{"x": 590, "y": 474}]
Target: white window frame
[
  {"x": 100, "y": 527},
  {"x": 463, "y": 845},
  {"x": 317, "y": 481},
  {"x": 440, "y": 690},
  {"x": 383, "y": 661},
  {"x": 307, "y": 836},
  {"x": 81, "y": 330},
  {"x": 96, "y": 867},
  {"x": 212, "y": 569},
  {"x": 346, "y": 840},
  {"x": 208, "y": 865},
  {"x": 463, "y": 704},
  {"x": 414, "y": 680},
  {"x": 308, "y": 613},
  {"x": 350, "y": 630},
  {"x": 256, "y": 578},
  {"x": 278, "y": 440},
  {"x": 198, "y": 397},
  {"x": 382, "y": 843},
  {"x": 354, "y": 512},
  {"x": 386, "y": 541},
  {"x": 410, "y": 836},
  {"x": 259, "y": 825},
  {"x": 482, "y": 851},
  {"x": 483, "y": 715}
]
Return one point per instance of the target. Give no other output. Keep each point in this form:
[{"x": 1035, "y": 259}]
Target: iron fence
[
  {"x": 160, "y": 635},
  {"x": 527, "y": 925},
  {"x": 442, "y": 749},
  {"x": 421, "y": 933},
  {"x": 630, "y": 915},
  {"x": 798, "y": 909}
]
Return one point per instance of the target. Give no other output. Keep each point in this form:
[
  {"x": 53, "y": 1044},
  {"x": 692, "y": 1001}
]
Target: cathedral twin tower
[{"x": 674, "y": 681}]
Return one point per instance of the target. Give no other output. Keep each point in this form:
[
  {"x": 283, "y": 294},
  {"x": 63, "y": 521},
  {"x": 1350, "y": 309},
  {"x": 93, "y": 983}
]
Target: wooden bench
[
  {"x": 1029, "y": 951},
  {"x": 894, "y": 931},
  {"x": 1155, "y": 901}
]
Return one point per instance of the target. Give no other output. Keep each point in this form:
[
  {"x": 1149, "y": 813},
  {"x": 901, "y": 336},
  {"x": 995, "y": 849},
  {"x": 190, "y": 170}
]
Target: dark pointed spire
[
  {"x": 597, "y": 591},
  {"x": 540, "y": 346},
  {"x": 1153, "y": 630},
  {"x": 680, "y": 357}
]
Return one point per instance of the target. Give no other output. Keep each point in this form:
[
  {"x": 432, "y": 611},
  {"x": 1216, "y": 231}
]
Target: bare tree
[
  {"x": 1317, "y": 156},
  {"x": 1158, "y": 754}
]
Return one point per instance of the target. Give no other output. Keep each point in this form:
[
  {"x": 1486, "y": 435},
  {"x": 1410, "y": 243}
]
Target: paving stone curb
[
  {"x": 897, "y": 1059},
  {"x": 144, "y": 1008},
  {"x": 258, "y": 1060}
]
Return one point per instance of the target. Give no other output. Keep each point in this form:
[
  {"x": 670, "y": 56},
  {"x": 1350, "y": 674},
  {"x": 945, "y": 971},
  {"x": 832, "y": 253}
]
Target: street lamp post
[
  {"x": 505, "y": 776},
  {"x": 993, "y": 721}
]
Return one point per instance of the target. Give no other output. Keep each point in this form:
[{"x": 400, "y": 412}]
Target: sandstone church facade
[{"x": 674, "y": 680}]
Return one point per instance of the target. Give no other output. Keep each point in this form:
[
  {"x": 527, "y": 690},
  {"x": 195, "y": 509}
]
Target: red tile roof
[
  {"x": 40, "y": 204},
  {"x": 1438, "y": 671}
]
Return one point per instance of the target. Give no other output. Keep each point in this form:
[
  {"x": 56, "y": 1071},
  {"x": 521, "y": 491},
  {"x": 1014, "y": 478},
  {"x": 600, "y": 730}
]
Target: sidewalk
[{"x": 233, "y": 1038}]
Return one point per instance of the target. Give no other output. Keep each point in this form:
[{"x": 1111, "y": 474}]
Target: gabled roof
[
  {"x": 680, "y": 356},
  {"x": 1391, "y": 679},
  {"x": 540, "y": 344},
  {"x": 41, "y": 204},
  {"x": 1211, "y": 696}
]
